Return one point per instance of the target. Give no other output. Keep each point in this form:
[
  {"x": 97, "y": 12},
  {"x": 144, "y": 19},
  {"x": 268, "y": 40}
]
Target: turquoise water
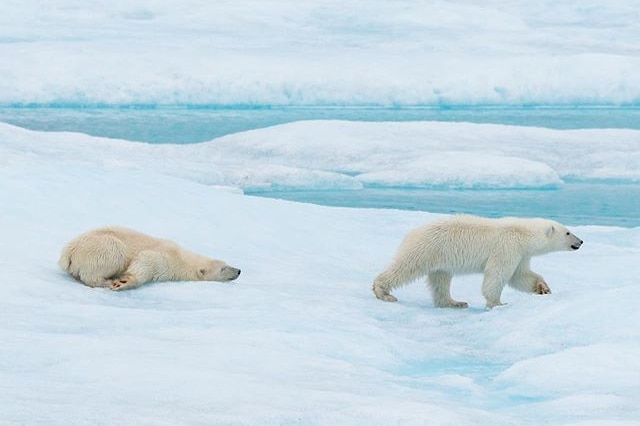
[
  {"x": 573, "y": 203},
  {"x": 596, "y": 203},
  {"x": 190, "y": 124}
]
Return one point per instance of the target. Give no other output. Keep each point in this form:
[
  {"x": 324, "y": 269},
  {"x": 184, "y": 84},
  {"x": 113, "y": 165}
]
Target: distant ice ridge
[
  {"x": 362, "y": 52},
  {"x": 324, "y": 155}
]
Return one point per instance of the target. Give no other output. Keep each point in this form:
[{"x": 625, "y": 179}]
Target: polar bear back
[
  {"x": 464, "y": 244},
  {"x": 134, "y": 241}
]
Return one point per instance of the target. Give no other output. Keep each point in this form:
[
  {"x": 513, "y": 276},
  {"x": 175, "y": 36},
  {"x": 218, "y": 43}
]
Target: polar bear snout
[
  {"x": 575, "y": 242},
  {"x": 217, "y": 270},
  {"x": 229, "y": 273}
]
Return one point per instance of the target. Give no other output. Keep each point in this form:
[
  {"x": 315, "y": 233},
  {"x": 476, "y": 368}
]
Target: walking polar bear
[
  {"x": 462, "y": 244},
  {"x": 121, "y": 258}
]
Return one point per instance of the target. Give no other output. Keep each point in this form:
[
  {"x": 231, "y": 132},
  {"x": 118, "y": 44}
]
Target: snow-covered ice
[
  {"x": 331, "y": 52},
  {"x": 299, "y": 338},
  {"x": 347, "y": 155}
]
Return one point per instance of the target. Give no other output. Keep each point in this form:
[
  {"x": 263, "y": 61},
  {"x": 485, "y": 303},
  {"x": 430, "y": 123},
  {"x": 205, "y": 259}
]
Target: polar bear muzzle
[
  {"x": 576, "y": 242},
  {"x": 218, "y": 271},
  {"x": 229, "y": 273}
]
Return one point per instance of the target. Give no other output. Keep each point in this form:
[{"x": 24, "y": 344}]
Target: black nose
[{"x": 241, "y": 271}]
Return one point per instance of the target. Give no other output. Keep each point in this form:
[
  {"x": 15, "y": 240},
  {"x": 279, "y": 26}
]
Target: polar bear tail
[
  {"x": 65, "y": 263},
  {"x": 65, "y": 259}
]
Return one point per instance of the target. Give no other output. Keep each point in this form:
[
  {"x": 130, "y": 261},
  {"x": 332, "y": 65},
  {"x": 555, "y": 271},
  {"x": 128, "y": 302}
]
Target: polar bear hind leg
[
  {"x": 439, "y": 283},
  {"x": 147, "y": 266},
  {"x": 95, "y": 259},
  {"x": 400, "y": 273}
]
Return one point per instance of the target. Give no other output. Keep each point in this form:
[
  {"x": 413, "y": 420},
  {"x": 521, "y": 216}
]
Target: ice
[
  {"x": 288, "y": 52},
  {"x": 465, "y": 170},
  {"x": 300, "y": 338},
  {"x": 559, "y": 374},
  {"x": 321, "y": 155}
]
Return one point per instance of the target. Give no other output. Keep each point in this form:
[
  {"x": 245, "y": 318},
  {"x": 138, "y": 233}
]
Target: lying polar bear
[
  {"x": 121, "y": 258},
  {"x": 462, "y": 244}
]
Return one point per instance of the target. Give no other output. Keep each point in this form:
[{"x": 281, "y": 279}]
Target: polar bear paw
[
  {"x": 383, "y": 294},
  {"x": 541, "y": 287},
  {"x": 494, "y": 304},
  {"x": 457, "y": 304},
  {"x": 121, "y": 283}
]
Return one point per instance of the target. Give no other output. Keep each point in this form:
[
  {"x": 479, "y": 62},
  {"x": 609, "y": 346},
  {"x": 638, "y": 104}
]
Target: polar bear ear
[
  {"x": 202, "y": 272},
  {"x": 550, "y": 231}
]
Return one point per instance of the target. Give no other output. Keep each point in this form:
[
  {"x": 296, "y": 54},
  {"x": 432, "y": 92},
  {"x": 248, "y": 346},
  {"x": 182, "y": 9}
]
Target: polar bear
[
  {"x": 462, "y": 244},
  {"x": 121, "y": 258}
]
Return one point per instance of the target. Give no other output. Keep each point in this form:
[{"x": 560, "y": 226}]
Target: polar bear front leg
[
  {"x": 528, "y": 281},
  {"x": 541, "y": 287},
  {"x": 492, "y": 290},
  {"x": 497, "y": 273}
]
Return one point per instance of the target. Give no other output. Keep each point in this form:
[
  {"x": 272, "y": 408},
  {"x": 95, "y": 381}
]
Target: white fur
[
  {"x": 499, "y": 248},
  {"x": 120, "y": 258}
]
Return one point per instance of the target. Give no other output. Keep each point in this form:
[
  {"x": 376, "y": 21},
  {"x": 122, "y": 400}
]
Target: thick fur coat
[
  {"x": 501, "y": 249},
  {"x": 121, "y": 258}
]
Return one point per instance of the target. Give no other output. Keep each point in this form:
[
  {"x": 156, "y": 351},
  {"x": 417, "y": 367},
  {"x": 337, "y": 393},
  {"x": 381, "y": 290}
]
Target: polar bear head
[
  {"x": 546, "y": 236},
  {"x": 560, "y": 238},
  {"x": 217, "y": 270}
]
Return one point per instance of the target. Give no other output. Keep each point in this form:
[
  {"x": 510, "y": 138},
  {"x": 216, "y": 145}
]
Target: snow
[
  {"x": 288, "y": 52},
  {"x": 316, "y": 155},
  {"x": 300, "y": 338}
]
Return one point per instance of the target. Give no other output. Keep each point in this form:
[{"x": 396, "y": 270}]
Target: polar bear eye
[{"x": 568, "y": 233}]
